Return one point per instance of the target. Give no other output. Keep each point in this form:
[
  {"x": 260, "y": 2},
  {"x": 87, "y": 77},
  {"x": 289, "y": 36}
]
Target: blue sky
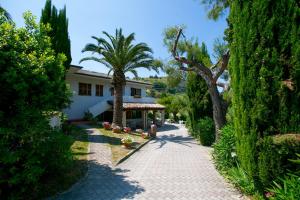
[{"x": 146, "y": 18}]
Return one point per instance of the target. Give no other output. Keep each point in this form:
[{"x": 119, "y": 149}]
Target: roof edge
[
  {"x": 76, "y": 66},
  {"x": 105, "y": 77}
]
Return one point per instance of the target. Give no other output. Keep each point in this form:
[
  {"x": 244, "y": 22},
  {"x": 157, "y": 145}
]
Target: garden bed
[{"x": 118, "y": 150}]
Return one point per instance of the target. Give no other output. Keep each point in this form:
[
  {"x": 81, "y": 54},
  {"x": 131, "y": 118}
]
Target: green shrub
[
  {"x": 224, "y": 152},
  {"x": 29, "y": 156},
  {"x": 205, "y": 131},
  {"x": 264, "y": 46},
  {"x": 288, "y": 188},
  {"x": 33, "y": 85},
  {"x": 274, "y": 154},
  {"x": 241, "y": 179},
  {"x": 88, "y": 116},
  {"x": 297, "y": 162}
]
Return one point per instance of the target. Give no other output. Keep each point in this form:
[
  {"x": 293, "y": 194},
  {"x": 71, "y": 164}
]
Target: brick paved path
[{"x": 171, "y": 167}]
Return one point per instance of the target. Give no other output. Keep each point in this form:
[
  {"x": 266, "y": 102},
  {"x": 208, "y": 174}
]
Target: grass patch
[
  {"x": 114, "y": 141},
  {"x": 59, "y": 183}
]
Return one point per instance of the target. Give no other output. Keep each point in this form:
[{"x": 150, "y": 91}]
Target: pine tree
[
  {"x": 265, "y": 71},
  {"x": 199, "y": 104},
  {"x": 59, "y": 30}
]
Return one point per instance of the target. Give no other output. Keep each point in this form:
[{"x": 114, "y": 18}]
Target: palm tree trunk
[{"x": 118, "y": 105}]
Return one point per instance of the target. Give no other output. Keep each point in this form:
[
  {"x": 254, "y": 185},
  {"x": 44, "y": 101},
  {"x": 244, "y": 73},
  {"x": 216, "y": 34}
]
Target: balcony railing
[{"x": 133, "y": 99}]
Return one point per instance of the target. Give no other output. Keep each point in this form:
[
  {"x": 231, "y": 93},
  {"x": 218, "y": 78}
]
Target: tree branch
[
  {"x": 223, "y": 85},
  {"x": 224, "y": 60},
  {"x": 176, "y": 42},
  {"x": 199, "y": 67}
]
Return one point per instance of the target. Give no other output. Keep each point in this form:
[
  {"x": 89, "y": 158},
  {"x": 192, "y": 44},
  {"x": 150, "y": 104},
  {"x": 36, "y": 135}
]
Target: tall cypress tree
[
  {"x": 265, "y": 71},
  {"x": 200, "y": 104},
  {"x": 59, "y": 30}
]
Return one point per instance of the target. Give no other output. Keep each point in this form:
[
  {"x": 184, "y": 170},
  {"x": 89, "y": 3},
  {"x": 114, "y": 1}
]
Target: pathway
[{"x": 171, "y": 167}]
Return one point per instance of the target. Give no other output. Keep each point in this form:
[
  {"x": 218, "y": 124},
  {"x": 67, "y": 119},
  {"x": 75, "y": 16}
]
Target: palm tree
[{"x": 119, "y": 55}]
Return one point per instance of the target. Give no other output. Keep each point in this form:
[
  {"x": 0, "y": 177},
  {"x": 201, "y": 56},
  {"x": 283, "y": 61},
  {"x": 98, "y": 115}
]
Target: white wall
[
  {"x": 130, "y": 85},
  {"x": 81, "y": 104}
]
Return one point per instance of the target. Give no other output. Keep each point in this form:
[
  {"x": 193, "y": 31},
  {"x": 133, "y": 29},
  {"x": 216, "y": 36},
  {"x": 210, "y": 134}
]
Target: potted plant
[
  {"x": 106, "y": 125},
  {"x": 140, "y": 131},
  {"x": 127, "y": 129},
  {"x": 117, "y": 129},
  {"x": 145, "y": 135},
  {"x": 127, "y": 141}
]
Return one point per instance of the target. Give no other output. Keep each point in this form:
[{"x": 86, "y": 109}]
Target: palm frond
[
  {"x": 134, "y": 72},
  {"x": 100, "y": 60},
  {"x": 118, "y": 53},
  {"x": 109, "y": 71},
  {"x": 92, "y": 48}
]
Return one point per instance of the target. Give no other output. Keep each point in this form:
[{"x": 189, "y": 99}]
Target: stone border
[{"x": 132, "y": 152}]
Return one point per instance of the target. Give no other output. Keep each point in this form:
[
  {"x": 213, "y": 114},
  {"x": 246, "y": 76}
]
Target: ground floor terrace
[{"x": 138, "y": 115}]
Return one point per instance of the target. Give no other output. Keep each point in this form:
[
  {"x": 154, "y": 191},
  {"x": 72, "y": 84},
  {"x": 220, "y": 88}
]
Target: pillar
[
  {"x": 154, "y": 116},
  {"x": 145, "y": 118},
  {"x": 162, "y": 117},
  {"x": 124, "y": 119}
]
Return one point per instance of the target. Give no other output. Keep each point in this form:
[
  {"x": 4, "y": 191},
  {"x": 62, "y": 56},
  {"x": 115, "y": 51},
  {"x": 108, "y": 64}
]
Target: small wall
[{"x": 133, "y": 123}]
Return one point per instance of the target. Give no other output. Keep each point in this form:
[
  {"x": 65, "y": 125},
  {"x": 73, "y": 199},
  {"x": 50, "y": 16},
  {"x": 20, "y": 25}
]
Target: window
[
  {"x": 111, "y": 91},
  {"x": 136, "y": 92},
  {"x": 99, "y": 90},
  {"x": 85, "y": 89},
  {"x": 133, "y": 114}
]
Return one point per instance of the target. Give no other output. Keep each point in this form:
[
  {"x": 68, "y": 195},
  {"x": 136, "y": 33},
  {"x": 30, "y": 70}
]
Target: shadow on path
[
  {"x": 103, "y": 182},
  {"x": 183, "y": 140},
  {"x": 167, "y": 127}
]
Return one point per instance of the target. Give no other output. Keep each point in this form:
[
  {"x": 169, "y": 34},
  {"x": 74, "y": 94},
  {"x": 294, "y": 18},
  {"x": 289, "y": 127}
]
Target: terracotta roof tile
[{"x": 143, "y": 106}]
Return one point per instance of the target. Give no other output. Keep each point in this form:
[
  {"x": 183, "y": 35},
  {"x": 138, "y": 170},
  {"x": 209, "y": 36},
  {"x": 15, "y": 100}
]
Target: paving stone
[{"x": 171, "y": 167}]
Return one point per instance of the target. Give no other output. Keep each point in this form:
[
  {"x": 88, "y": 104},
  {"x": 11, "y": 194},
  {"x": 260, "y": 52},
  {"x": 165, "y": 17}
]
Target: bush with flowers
[
  {"x": 127, "y": 129},
  {"x": 127, "y": 141},
  {"x": 106, "y": 125}
]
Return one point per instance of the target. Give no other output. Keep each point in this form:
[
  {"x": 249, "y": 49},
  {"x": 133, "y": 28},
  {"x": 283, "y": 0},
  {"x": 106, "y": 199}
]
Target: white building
[{"x": 93, "y": 93}]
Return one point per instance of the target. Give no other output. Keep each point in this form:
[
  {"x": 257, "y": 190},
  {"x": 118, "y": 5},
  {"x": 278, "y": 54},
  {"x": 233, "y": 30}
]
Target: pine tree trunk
[
  {"x": 218, "y": 114},
  {"x": 118, "y": 105}
]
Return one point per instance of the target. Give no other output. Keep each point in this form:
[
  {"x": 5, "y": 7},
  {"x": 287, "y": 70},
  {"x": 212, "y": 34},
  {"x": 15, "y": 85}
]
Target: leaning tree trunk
[
  {"x": 118, "y": 102},
  {"x": 218, "y": 114},
  {"x": 210, "y": 78}
]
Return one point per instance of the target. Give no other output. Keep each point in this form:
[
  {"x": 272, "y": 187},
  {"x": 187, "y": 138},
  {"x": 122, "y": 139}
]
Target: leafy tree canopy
[
  {"x": 216, "y": 7},
  {"x": 31, "y": 83}
]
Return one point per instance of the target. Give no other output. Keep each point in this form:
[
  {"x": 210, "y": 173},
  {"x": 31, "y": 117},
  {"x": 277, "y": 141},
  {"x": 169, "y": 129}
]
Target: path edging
[{"x": 132, "y": 152}]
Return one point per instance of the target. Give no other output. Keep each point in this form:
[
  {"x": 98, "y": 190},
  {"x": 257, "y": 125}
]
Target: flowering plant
[
  {"x": 117, "y": 129},
  {"x": 106, "y": 125},
  {"x": 127, "y": 129},
  {"x": 127, "y": 140},
  {"x": 145, "y": 135},
  {"x": 139, "y": 131}
]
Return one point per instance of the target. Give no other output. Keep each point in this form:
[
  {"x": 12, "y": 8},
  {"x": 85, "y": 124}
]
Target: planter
[
  {"x": 127, "y": 145},
  {"x": 127, "y": 130},
  {"x": 139, "y": 131},
  {"x": 117, "y": 129},
  {"x": 153, "y": 130},
  {"x": 127, "y": 141},
  {"x": 106, "y": 125},
  {"x": 145, "y": 135}
]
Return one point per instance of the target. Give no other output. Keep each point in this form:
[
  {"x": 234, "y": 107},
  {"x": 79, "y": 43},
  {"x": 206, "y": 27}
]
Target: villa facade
[{"x": 92, "y": 92}]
